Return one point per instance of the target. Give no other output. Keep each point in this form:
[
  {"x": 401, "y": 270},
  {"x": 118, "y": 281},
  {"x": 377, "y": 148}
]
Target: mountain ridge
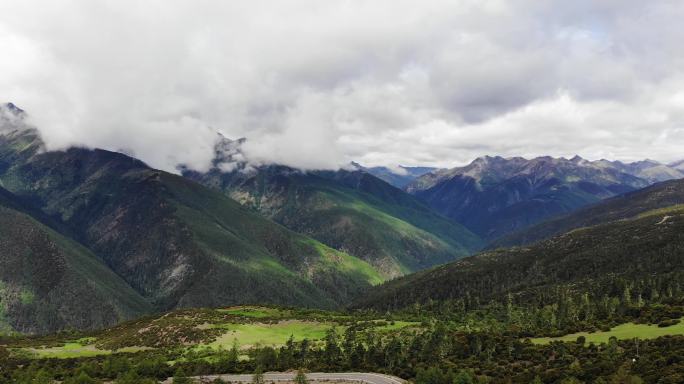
[
  {"x": 495, "y": 196},
  {"x": 621, "y": 207}
]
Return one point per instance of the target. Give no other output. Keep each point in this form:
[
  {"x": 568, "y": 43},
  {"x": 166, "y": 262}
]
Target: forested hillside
[
  {"x": 629, "y": 205},
  {"x": 49, "y": 282},
  {"x": 351, "y": 211},
  {"x": 585, "y": 276}
]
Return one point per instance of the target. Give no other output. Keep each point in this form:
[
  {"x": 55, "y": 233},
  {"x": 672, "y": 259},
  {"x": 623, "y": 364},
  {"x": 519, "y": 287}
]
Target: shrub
[{"x": 668, "y": 323}]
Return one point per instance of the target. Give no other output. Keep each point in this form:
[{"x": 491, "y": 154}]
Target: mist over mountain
[
  {"x": 386, "y": 191},
  {"x": 679, "y": 165},
  {"x": 405, "y": 87},
  {"x": 166, "y": 241}
]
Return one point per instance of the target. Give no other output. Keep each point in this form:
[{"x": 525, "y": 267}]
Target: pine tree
[
  {"x": 258, "y": 377},
  {"x": 180, "y": 377},
  {"x": 463, "y": 377},
  {"x": 301, "y": 377},
  {"x": 81, "y": 378}
]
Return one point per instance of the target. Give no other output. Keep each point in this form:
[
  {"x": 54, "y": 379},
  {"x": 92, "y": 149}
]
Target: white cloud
[{"x": 317, "y": 84}]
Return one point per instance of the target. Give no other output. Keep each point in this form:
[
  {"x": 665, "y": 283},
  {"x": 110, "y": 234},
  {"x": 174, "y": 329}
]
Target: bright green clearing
[
  {"x": 621, "y": 332},
  {"x": 248, "y": 335},
  {"x": 348, "y": 264},
  {"x": 397, "y": 325},
  {"x": 76, "y": 349}
]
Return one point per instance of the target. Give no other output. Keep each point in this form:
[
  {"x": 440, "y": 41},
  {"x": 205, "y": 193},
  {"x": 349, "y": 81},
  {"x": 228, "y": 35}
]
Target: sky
[{"x": 316, "y": 84}]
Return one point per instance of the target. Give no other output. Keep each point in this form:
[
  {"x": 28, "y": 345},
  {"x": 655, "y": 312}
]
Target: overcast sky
[{"x": 316, "y": 84}]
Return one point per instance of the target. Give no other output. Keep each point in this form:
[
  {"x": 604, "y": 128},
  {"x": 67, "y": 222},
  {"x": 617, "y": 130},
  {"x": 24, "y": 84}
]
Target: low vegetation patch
[
  {"x": 255, "y": 312},
  {"x": 621, "y": 332}
]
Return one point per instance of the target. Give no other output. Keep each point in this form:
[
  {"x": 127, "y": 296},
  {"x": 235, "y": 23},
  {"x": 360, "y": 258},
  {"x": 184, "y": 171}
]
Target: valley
[
  {"x": 341, "y": 192},
  {"x": 113, "y": 271},
  {"x": 351, "y": 211}
]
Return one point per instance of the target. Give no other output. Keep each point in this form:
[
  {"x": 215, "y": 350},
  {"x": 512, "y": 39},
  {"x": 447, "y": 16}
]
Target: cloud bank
[{"x": 316, "y": 84}]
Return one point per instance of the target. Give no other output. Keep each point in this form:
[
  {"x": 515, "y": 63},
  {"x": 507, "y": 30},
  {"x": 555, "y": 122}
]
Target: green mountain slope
[
  {"x": 48, "y": 282},
  {"x": 351, "y": 211},
  {"x": 625, "y": 206},
  {"x": 175, "y": 242},
  {"x": 640, "y": 257}
]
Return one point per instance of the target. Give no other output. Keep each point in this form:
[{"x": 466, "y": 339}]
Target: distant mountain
[
  {"x": 635, "y": 259},
  {"x": 399, "y": 177},
  {"x": 494, "y": 196},
  {"x": 173, "y": 241},
  {"x": 49, "y": 282},
  {"x": 658, "y": 196},
  {"x": 678, "y": 165},
  {"x": 649, "y": 170},
  {"x": 351, "y": 211}
]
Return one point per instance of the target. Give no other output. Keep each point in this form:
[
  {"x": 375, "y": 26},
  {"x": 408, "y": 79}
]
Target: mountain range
[
  {"x": 662, "y": 195},
  {"x": 89, "y": 237},
  {"x": 678, "y": 165},
  {"x": 494, "y": 196}
]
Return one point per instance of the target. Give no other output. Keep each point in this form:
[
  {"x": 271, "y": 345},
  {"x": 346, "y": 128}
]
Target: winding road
[{"x": 368, "y": 378}]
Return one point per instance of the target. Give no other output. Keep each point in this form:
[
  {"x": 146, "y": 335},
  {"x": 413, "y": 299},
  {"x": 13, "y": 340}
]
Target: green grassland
[
  {"x": 621, "y": 332},
  {"x": 384, "y": 326},
  {"x": 249, "y": 335},
  {"x": 77, "y": 349},
  {"x": 199, "y": 329}
]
